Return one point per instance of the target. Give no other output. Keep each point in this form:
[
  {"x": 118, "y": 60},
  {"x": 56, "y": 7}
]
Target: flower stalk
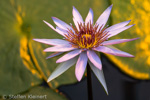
[{"x": 89, "y": 83}]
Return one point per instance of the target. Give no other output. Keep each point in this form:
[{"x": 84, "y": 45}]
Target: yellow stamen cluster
[{"x": 86, "y": 36}]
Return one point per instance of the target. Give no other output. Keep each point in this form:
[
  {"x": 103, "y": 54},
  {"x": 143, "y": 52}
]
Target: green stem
[{"x": 89, "y": 83}]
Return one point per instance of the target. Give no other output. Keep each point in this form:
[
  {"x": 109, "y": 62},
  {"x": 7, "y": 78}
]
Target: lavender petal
[
  {"x": 89, "y": 18},
  {"x": 54, "y": 54},
  {"x": 52, "y": 41},
  {"x": 117, "y": 41},
  {"x": 62, "y": 68},
  {"x": 81, "y": 65},
  {"x": 61, "y": 48},
  {"x": 117, "y": 26},
  {"x": 77, "y": 16},
  {"x": 112, "y": 51},
  {"x": 94, "y": 58},
  {"x": 61, "y": 24},
  {"x": 69, "y": 55},
  {"x": 100, "y": 76},
  {"x": 102, "y": 20},
  {"x": 59, "y": 32},
  {"x": 117, "y": 31}
]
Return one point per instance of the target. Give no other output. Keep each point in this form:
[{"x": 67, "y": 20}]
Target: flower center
[
  {"x": 86, "y": 36},
  {"x": 85, "y": 41}
]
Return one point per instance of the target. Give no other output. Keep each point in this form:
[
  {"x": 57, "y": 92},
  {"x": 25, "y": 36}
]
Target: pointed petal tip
[
  {"x": 129, "y": 21},
  {"x": 77, "y": 15},
  {"x": 91, "y": 10},
  {"x": 77, "y": 76},
  {"x": 36, "y": 40},
  {"x": 107, "y": 93},
  {"x": 132, "y": 56},
  {"x": 49, "y": 79},
  {"x": 58, "y": 61},
  {"x": 100, "y": 68},
  {"x": 45, "y": 50},
  {"x": 79, "y": 79},
  {"x": 53, "y": 55},
  {"x": 130, "y": 26},
  {"x": 111, "y": 5},
  {"x": 53, "y": 18},
  {"x": 47, "y": 58},
  {"x": 137, "y": 38},
  {"x": 73, "y": 8},
  {"x": 45, "y": 22}
]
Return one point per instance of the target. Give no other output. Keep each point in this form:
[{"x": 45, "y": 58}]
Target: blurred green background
[{"x": 23, "y": 66}]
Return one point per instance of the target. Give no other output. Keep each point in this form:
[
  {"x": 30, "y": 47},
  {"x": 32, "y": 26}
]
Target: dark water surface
[{"x": 120, "y": 86}]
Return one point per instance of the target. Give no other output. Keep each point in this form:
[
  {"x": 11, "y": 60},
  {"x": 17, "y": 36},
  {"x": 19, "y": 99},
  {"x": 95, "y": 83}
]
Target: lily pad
[
  {"x": 17, "y": 71},
  {"x": 139, "y": 12}
]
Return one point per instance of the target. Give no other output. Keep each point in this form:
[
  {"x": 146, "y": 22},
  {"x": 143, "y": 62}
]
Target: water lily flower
[{"x": 82, "y": 43}]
